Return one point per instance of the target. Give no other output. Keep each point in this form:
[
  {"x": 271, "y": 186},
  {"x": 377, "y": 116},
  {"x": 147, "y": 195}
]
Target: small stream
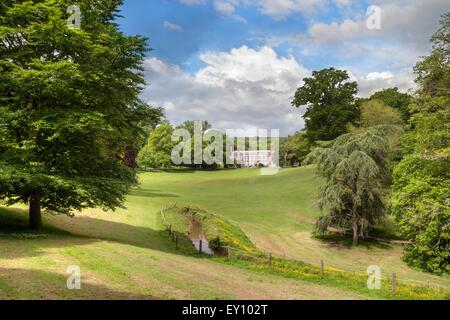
[{"x": 196, "y": 234}]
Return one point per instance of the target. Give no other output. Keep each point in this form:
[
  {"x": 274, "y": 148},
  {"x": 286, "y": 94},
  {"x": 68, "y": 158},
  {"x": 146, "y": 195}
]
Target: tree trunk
[
  {"x": 355, "y": 231},
  {"x": 35, "y": 211}
]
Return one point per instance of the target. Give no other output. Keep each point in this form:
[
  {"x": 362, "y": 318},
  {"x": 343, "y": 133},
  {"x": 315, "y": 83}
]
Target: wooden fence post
[
  {"x": 321, "y": 268},
  {"x": 229, "y": 252},
  {"x": 394, "y": 283},
  {"x": 170, "y": 230},
  {"x": 270, "y": 260},
  {"x": 176, "y": 242},
  {"x": 200, "y": 246}
]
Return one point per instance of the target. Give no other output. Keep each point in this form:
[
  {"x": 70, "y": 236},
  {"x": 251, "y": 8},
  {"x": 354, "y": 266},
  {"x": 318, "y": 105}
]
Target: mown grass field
[{"x": 127, "y": 254}]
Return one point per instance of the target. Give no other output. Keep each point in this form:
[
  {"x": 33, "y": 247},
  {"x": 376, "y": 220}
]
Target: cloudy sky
[{"x": 237, "y": 63}]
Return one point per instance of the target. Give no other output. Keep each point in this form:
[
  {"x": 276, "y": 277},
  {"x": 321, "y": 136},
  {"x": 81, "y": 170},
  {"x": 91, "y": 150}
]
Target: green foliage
[
  {"x": 422, "y": 185},
  {"x": 354, "y": 166},
  {"x": 208, "y": 142},
  {"x": 421, "y": 180},
  {"x": 216, "y": 227},
  {"x": 395, "y": 99},
  {"x": 294, "y": 149},
  {"x": 179, "y": 226},
  {"x": 215, "y": 243},
  {"x": 421, "y": 206},
  {"x": 189, "y": 126},
  {"x": 68, "y": 105},
  {"x": 330, "y": 100},
  {"x": 433, "y": 72},
  {"x": 375, "y": 113},
  {"x": 158, "y": 151},
  {"x": 146, "y": 119}
]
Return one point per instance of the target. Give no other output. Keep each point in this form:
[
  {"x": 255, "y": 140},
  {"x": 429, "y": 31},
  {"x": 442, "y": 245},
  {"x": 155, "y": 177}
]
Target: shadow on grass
[
  {"x": 188, "y": 170},
  {"x": 14, "y": 224},
  {"x": 150, "y": 193},
  {"x": 343, "y": 241},
  {"x": 63, "y": 231},
  {"x": 38, "y": 284},
  {"x": 170, "y": 170}
]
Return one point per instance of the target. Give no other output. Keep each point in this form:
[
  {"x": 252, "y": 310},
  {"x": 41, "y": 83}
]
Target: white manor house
[{"x": 253, "y": 158}]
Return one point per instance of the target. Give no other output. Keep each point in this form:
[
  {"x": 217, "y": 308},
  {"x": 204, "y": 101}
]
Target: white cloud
[
  {"x": 247, "y": 88},
  {"x": 409, "y": 23},
  {"x": 244, "y": 88},
  {"x": 283, "y": 8},
  {"x": 406, "y": 27},
  {"x": 369, "y": 83},
  {"x": 172, "y": 26},
  {"x": 385, "y": 75},
  {"x": 225, "y": 6},
  {"x": 246, "y": 65},
  {"x": 337, "y": 32}
]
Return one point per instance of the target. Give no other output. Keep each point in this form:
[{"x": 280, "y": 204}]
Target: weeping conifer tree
[{"x": 355, "y": 169}]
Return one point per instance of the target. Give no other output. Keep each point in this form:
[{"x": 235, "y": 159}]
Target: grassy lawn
[{"x": 127, "y": 254}]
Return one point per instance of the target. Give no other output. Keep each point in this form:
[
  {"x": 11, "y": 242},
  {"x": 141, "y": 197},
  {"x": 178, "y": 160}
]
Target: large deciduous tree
[
  {"x": 146, "y": 118},
  {"x": 203, "y": 127},
  {"x": 421, "y": 187},
  {"x": 354, "y": 167},
  {"x": 295, "y": 148},
  {"x": 395, "y": 99},
  {"x": 68, "y": 106},
  {"x": 375, "y": 113},
  {"x": 158, "y": 150},
  {"x": 329, "y": 97}
]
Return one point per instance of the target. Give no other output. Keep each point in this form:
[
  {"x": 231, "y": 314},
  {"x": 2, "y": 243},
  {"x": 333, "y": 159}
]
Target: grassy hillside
[
  {"x": 278, "y": 212},
  {"x": 127, "y": 254}
]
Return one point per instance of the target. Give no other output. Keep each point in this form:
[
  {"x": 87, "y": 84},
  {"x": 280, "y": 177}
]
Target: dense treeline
[
  {"x": 421, "y": 202},
  {"x": 391, "y": 141}
]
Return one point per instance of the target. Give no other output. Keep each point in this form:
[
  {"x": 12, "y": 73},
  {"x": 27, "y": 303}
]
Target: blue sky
[
  {"x": 203, "y": 28},
  {"x": 237, "y": 63}
]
